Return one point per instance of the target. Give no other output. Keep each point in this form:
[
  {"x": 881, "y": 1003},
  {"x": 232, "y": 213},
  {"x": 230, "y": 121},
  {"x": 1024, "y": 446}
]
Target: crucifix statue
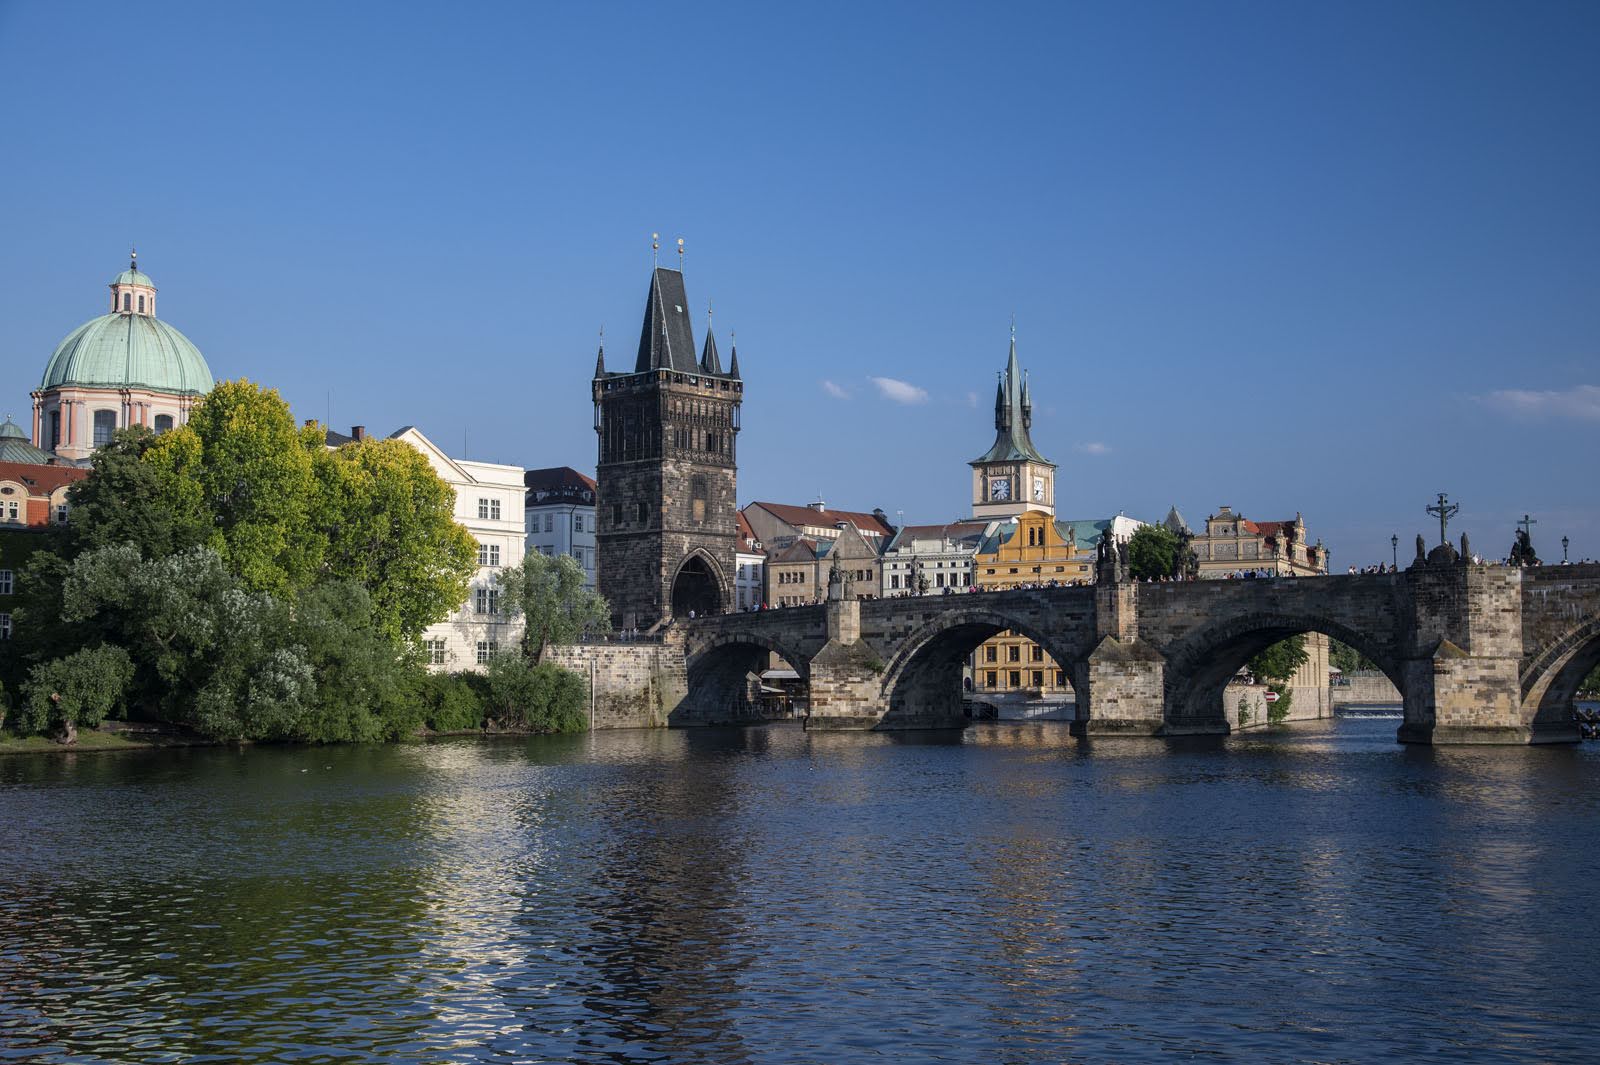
[
  {"x": 1445, "y": 511},
  {"x": 1527, "y": 522}
]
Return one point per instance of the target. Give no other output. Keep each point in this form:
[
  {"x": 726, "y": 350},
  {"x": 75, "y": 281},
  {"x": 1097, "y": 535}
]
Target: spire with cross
[{"x": 1445, "y": 510}]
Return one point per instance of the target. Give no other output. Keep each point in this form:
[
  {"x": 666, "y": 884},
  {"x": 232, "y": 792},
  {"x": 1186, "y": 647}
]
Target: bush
[
  {"x": 540, "y": 698},
  {"x": 1278, "y": 712},
  {"x": 84, "y": 688},
  {"x": 452, "y": 702}
]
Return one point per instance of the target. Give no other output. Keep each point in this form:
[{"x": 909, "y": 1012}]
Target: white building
[
  {"x": 488, "y": 497},
  {"x": 932, "y": 557},
  {"x": 558, "y": 511},
  {"x": 750, "y": 559}
]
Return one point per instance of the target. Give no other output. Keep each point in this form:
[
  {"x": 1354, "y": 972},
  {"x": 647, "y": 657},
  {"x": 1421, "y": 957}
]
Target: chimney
[
  {"x": 819, "y": 506},
  {"x": 358, "y": 432}
]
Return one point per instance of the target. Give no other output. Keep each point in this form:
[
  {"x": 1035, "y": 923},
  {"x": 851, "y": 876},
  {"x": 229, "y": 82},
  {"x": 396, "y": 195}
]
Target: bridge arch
[
  {"x": 922, "y": 681},
  {"x": 1199, "y": 666},
  {"x": 719, "y": 670},
  {"x": 1551, "y": 678}
]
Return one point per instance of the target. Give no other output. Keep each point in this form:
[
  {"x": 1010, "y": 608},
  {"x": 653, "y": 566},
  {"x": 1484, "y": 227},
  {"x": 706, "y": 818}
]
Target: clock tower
[{"x": 1012, "y": 477}]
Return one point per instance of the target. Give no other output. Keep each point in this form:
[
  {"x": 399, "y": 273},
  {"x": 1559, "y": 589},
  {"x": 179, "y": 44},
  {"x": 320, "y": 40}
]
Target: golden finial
[
  {"x": 655, "y": 249},
  {"x": 680, "y": 255},
  {"x": 133, "y": 258}
]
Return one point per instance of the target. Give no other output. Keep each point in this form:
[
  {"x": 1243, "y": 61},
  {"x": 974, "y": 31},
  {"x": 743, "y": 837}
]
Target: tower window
[
  {"x": 141, "y": 304},
  {"x": 163, "y": 423},
  {"x": 55, "y": 429},
  {"x": 127, "y": 301}
]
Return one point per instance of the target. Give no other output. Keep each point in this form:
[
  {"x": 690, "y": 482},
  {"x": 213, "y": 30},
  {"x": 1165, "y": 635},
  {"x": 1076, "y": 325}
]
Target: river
[{"x": 1009, "y": 894}]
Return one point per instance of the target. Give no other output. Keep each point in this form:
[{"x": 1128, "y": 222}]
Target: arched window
[
  {"x": 163, "y": 422},
  {"x": 105, "y": 423},
  {"x": 141, "y": 304},
  {"x": 55, "y": 429},
  {"x": 127, "y": 301}
]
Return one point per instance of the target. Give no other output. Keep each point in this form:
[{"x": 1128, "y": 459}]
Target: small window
[
  {"x": 141, "y": 304},
  {"x": 1013, "y": 653},
  {"x": 486, "y": 648},
  {"x": 8, "y": 582},
  {"x": 1038, "y": 678},
  {"x": 1061, "y": 678},
  {"x": 1038, "y": 653},
  {"x": 127, "y": 302},
  {"x": 435, "y": 652},
  {"x": 989, "y": 653},
  {"x": 616, "y": 515},
  {"x": 61, "y": 513},
  {"x": 1016, "y": 678},
  {"x": 11, "y": 511},
  {"x": 549, "y": 523},
  {"x": 643, "y": 513},
  {"x": 5, "y": 626},
  {"x": 488, "y": 554},
  {"x": 55, "y": 428},
  {"x": 163, "y": 423},
  {"x": 991, "y": 679},
  {"x": 577, "y": 523}
]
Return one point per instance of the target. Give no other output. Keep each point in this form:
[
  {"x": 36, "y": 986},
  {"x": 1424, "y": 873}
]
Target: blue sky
[{"x": 1325, "y": 258}]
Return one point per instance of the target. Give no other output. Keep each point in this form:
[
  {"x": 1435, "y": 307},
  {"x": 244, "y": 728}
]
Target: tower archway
[{"x": 697, "y": 588}]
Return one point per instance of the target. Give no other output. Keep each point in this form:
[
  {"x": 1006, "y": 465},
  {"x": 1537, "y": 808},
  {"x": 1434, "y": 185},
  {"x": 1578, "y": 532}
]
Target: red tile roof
[
  {"x": 41, "y": 479},
  {"x": 868, "y": 524}
]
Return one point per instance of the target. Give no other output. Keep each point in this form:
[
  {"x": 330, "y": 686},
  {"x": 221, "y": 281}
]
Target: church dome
[
  {"x": 129, "y": 348},
  {"x": 15, "y": 447}
]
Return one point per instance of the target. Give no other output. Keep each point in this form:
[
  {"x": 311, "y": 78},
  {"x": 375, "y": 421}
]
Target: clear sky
[{"x": 1328, "y": 258}]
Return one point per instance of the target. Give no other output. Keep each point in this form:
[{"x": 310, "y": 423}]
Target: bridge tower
[
  {"x": 1012, "y": 476},
  {"x": 666, "y": 505}
]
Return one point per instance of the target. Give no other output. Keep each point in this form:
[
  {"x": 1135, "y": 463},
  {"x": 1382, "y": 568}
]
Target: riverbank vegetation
[{"x": 238, "y": 579}]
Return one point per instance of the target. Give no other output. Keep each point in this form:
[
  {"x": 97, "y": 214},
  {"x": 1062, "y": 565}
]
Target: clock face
[
  {"x": 1038, "y": 488},
  {"x": 1000, "y": 488}
]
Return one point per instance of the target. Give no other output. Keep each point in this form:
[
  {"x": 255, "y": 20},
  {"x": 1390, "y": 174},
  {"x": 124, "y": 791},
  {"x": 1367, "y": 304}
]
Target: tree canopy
[
  {"x": 1152, "y": 552},
  {"x": 1280, "y": 661},
  {"x": 549, "y": 593}
]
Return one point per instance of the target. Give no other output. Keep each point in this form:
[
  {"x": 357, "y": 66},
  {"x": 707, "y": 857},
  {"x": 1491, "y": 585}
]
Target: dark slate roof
[
  {"x": 710, "y": 361},
  {"x": 1013, "y": 415},
  {"x": 666, "y": 341}
]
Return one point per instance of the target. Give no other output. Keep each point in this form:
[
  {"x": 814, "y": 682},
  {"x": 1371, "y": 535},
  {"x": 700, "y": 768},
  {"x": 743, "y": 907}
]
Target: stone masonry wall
[{"x": 630, "y": 685}]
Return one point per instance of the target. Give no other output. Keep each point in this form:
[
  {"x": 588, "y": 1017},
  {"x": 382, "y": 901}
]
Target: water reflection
[{"x": 1006, "y": 893}]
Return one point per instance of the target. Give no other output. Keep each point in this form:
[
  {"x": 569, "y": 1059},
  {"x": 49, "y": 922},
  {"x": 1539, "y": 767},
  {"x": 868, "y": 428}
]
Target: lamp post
[
  {"x": 1563, "y": 550},
  {"x": 1394, "y": 550}
]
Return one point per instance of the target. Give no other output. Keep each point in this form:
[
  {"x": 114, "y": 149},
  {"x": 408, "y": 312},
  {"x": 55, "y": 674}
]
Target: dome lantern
[{"x": 133, "y": 292}]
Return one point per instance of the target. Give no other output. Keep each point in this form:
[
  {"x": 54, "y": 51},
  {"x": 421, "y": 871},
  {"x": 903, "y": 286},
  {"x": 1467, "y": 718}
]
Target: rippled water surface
[{"x": 1009, "y": 895}]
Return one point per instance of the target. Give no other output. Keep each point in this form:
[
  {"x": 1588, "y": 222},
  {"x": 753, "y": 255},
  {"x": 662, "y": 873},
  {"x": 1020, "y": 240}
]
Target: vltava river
[{"x": 1008, "y": 895}]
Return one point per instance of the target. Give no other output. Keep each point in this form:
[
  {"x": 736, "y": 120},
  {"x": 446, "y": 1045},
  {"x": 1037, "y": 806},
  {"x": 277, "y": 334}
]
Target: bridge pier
[
  {"x": 1120, "y": 689},
  {"x": 846, "y": 675}
]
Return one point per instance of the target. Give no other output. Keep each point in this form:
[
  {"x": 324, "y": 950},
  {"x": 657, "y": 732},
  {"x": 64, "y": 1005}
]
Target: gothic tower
[
  {"x": 1012, "y": 476},
  {"x": 666, "y": 510}
]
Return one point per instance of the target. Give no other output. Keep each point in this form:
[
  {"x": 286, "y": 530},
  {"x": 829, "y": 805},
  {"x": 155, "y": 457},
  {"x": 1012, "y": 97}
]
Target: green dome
[
  {"x": 15, "y": 446},
  {"x": 128, "y": 351},
  {"x": 133, "y": 277}
]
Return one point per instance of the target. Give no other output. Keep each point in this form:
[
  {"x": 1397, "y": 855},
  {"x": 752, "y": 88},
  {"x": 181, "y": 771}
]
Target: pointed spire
[
  {"x": 1013, "y": 413},
  {"x": 710, "y": 361},
  {"x": 733, "y": 360},
  {"x": 600, "y": 359}
]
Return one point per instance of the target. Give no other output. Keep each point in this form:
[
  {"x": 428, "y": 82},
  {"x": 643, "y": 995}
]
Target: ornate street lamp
[
  {"x": 1563, "y": 550},
  {"x": 1394, "y": 550}
]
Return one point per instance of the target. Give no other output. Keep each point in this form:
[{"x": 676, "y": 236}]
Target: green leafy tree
[
  {"x": 1280, "y": 661},
  {"x": 454, "y": 701},
  {"x": 1347, "y": 659},
  {"x": 538, "y": 697},
  {"x": 131, "y": 498},
  {"x": 390, "y": 525},
  {"x": 549, "y": 593},
  {"x": 367, "y": 686},
  {"x": 1152, "y": 552},
  {"x": 82, "y": 688},
  {"x": 253, "y": 471}
]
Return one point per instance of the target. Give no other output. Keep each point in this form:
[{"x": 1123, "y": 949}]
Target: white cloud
[
  {"x": 972, "y": 400},
  {"x": 900, "y": 391},
  {"x": 1580, "y": 401},
  {"x": 834, "y": 390},
  {"x": 1095, "y": 447}
]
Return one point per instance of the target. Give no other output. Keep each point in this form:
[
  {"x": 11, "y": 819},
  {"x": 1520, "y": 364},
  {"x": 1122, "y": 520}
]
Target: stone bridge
[{"x": 1480, "y": 654}]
